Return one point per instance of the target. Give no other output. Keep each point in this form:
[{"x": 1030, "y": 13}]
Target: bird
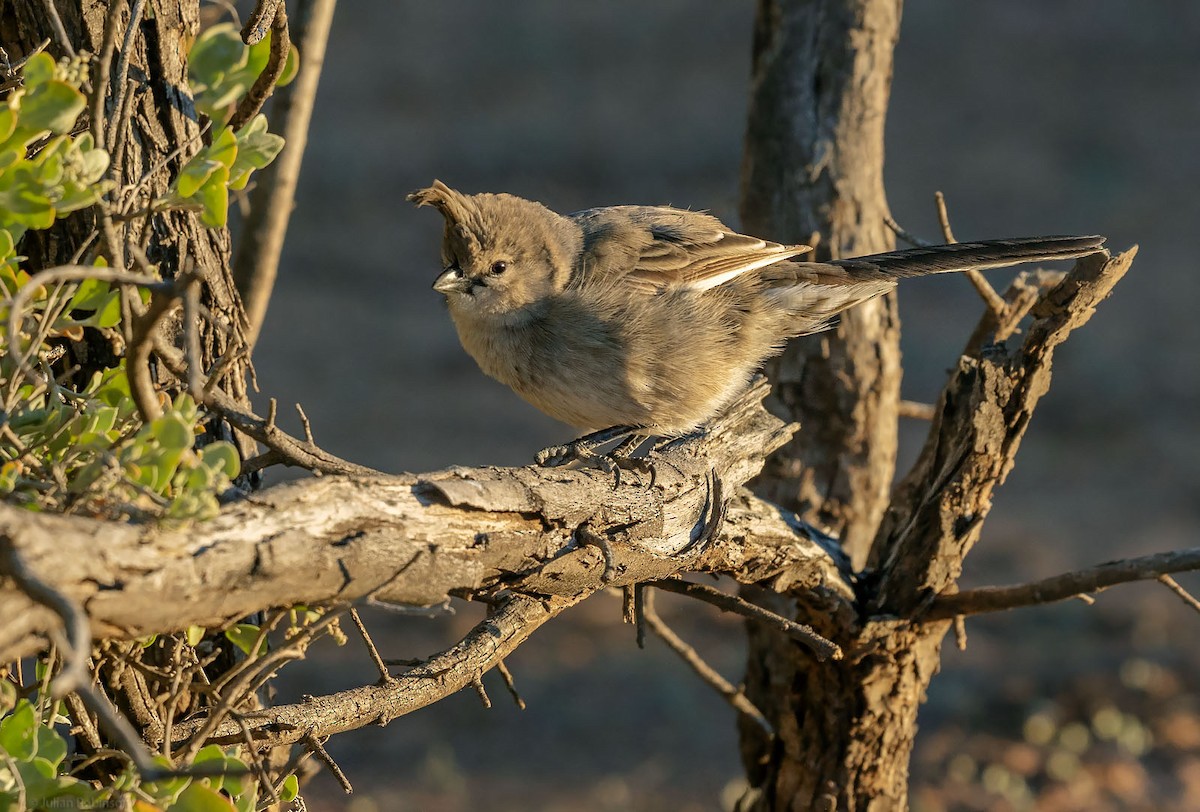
[{"x": 646, "y": 321}]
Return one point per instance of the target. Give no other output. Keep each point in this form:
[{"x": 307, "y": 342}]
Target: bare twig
[
  {"x": 100, "y": 82},
  {"x": 960, "y": 632},
  {"x": 119, "y": 89},
  {"x": 259, "y": 20},
  {"x": 1061, "y": 587},
  {"x": 63, "y": 273},
  {"x": 507, "y": 676},
  {"x": 145, "y": 328},
  {"x": 722, "y": 686},
  {"x": 118, "y": 727},
  {"x": 915, "y": 410},
  {"x": 481, "y": 692},
  {"x": 260, "y": 91},
  {"x": 823, "y": 648},
  {"x": 56, "y": 25},
  {"x": 1185, "y": 596},
  {"x": 983, "y": 287},
  {"x": 308, "y": 434},
  {"x": 314, "y": 744},
  {"x": 256, "y": 261},
  {"x": 384, "y": 674},
  {"x": 191, "y": 332},
  {"x": 939, "y": 200},
  {"x": 491, "y": 640}
]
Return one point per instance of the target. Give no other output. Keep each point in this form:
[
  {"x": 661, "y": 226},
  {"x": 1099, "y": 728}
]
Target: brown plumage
[{"x": 653, "y": 317}]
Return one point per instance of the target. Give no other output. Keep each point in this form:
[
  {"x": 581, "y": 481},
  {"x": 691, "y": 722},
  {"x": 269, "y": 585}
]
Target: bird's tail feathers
[{"x": 965, "y": 256}]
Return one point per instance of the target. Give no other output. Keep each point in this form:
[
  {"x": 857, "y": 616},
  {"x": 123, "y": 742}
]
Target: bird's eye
[{"x": 499, "y": 267}]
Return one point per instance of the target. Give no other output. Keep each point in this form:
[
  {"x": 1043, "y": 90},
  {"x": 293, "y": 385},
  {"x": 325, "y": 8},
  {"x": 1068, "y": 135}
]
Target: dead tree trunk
[{"x": 844, "y": 730}]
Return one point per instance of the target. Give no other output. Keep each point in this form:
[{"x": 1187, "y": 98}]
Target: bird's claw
[{"x": 583, "y": 450}]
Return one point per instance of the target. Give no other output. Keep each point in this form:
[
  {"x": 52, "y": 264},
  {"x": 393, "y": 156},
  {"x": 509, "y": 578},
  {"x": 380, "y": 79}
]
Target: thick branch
[
  {"x": 411, "y": 539},
  {"x": 982, "y": 415},
  {"x": 436, "y": 678},
  {"x": 1061, "y": 587}
]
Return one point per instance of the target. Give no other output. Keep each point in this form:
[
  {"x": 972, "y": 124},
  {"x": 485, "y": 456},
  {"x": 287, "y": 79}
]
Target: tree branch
[
  {"x": 1061, "y": 587},
  {"x": 414, "y": 539},
  {"x": 257, "y": 259},
  {"x": 981, "y": 417},
  {"x": 446, "y": 673}
]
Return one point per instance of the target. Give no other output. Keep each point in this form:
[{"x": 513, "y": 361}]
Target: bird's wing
[{"x": 652, "y": 249}]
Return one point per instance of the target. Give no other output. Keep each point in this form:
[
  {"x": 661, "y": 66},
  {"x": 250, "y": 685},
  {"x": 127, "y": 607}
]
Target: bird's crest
[{"x": 459, "y": 211}]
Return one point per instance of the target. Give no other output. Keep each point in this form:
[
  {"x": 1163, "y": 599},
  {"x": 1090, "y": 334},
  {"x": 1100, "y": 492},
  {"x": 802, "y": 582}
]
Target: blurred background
[{"x": 1080, "y": 116}]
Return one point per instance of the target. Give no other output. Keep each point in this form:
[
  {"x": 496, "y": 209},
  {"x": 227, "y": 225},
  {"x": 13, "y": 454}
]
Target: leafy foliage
[
  {"x": 81, "y": 445},
  {"x": 35, "y": 772},
  {"x": 88, "y": 450},
  {"x": 44, "y": 172},
  {"x": 221, "y": 69}
]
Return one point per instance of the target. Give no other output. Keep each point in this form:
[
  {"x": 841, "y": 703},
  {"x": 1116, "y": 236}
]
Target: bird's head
[{"x": 501, "y": 254}]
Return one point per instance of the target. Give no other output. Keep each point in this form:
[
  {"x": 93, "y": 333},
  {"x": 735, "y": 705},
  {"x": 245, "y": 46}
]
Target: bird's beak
[{"x": 452, "y": 281}]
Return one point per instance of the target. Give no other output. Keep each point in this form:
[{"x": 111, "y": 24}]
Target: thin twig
[
  {"x": 481, "y": 692},
  {"x": 308, "y": 434},
  {"x": 916, "y": 410},
  {"x": 384, "y": 674},
  {"x": 1184, "y": 595},
  {"x": 118, "y": 727},
  {"x": 1061, "y": 587},
  {"x": 261, "y": 90},
  {"x": 314, "y": 744},
  {"x": 145, "y": 327},
  {"x": 639, "y": 613},
  {"x": 119, "y": 90},
  {"x": 722, "y": 686},
  {"x": 820, "y": 646},
  {"x": 256, "y": 260},
  {"x": 939, "y": 200},
  {"x": 983, "y": 287},
  {"x": 191, "y": 331},
  {"x": 960, "y": 632},
  {"x": 507, "y": 676},
  {"x": 100, "y": 82},
  {"x": 60, "y": 32},
  {"x": 259, "y": 20},
  {"x": 62, "y": 273}
]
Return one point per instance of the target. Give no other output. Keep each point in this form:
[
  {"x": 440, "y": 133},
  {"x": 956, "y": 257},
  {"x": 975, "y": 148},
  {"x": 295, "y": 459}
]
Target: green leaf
[
  {"x": 291, "y": 67},
  {"x": 109, "y": 314},
  {"x": 256, "y": 149},
  {"x": 90, "y": 295},
  {"x": 27, "y": 207},
  {"x": 172, "y": 432},
  {"x": 243, "y": 636},
  {"x": 214, "y": 199},
  {"x": 39, "y": 69},
  {"x": 8, "y": 125},
  {"x": 221, "y": 456},
  {"x": 204, "y": 164},
  {"x": 194, "y": 635},
  {"x": 53, "y": 106},
  {"x": 51, "y": 746},
  {"x": 219, "y": 50},
  {"x": 18, "y": 732},
  {"x": 199, "y": 798},
  {"x": 290, "y": 789}
]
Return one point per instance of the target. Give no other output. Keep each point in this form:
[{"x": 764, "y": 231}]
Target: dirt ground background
[{"x": 1078, "y": 116}]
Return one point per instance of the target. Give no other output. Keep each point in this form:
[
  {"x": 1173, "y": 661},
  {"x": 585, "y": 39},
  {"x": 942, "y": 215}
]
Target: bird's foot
[{"x": 583, "y": 449}]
